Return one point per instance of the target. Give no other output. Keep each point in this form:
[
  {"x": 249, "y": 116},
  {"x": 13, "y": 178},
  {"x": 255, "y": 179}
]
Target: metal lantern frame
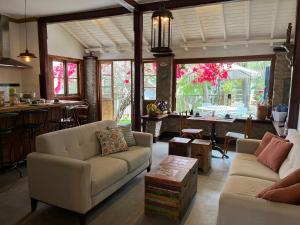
[{"x": 161, "y": 31}]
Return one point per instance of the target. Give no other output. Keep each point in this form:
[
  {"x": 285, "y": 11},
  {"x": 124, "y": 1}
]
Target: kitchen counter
[{"x": 24, "y": 106}]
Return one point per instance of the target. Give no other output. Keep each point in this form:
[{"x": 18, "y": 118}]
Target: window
[
  {"x": 65, "y": 77},
  {"x": 106, "y": 80},
  {"x": 234, "y": 88},
  {"x": 116, "y": 89},
  {"x": 150, "y": 80}
]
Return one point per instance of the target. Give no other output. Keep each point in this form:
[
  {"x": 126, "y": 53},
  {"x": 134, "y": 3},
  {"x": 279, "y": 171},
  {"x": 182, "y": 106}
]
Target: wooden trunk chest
[{"x": 170, "y": 187}]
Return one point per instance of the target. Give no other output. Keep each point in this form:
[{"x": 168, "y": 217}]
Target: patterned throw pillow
[
  {"x": 128, "y": 135},
  {"x": 111, "y": 141}
]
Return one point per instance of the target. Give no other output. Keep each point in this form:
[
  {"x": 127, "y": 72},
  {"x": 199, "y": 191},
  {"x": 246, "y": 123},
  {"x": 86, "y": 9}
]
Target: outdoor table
[{"x": 213, "y": 121}]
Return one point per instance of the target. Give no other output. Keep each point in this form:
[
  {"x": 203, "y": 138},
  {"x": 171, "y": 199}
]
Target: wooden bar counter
[{"x": 16, "y": 145}]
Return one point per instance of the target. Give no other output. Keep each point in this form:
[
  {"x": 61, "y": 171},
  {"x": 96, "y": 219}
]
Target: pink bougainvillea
[
  {"x": 209, "y": 72},
  {"x": 58, "y": 74}
]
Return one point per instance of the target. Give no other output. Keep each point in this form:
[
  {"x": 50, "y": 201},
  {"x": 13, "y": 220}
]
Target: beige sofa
[
  {"x": 67, "y": 171},
  {"x": 238, "y": 204}
]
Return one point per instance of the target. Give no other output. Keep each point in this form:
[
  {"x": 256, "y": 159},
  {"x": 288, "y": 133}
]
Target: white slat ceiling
[{"x": 234, "y": 23}]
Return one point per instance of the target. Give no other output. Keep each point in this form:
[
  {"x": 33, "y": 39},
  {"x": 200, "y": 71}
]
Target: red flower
[{"x": 126, "y": 81}]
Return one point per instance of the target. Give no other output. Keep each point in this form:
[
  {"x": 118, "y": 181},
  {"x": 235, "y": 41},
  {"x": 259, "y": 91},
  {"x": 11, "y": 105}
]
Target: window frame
[
  {"x": 65, "y": 61},
  {"x": 143, "y": 67},
  {"x": 250, "y": 58}
]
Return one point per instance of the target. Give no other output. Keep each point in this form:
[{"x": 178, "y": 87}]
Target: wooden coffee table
[{"x": 170, "y": 187}]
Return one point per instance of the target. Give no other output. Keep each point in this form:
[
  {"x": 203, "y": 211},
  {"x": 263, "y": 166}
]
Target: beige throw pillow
[{"x": 111, "y": 141}]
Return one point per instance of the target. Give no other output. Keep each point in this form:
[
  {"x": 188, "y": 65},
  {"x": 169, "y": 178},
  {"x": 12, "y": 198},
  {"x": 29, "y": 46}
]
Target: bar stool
[
  {"x": 191, "y": 133},
  {"x": 69, "y": 118},
  {"x": 34, "y": 122},
  {"x": 8, "y": 123},
  {"x": 82, "y": 112}
]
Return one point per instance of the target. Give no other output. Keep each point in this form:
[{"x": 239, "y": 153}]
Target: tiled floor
[{"x": 125, "y": 207}]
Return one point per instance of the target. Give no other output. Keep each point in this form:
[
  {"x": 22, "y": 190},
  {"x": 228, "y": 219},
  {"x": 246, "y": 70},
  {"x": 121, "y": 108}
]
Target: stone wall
[
  {"x": 164, "y": 79},
  {"x": 90, "y": 72},
  {"x": 282, "y": 80}
]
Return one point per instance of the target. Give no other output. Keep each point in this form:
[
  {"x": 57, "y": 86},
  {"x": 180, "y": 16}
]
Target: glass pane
[
  {"x": 106, "y": 92},
  {"x": 72, "y": 70},
  {"x": 150, "y": 81},
  {"x": 150, "y": 93},
  {"x": 73, "y": 86},
  {"x": 106, "y": 81},
  {"x": 106, "y": 69},
  {"x": 59, "y": 86},
  {"x": 149, "y": 69},
  {"x": 226, "y": 88},
  {"x": 58, "y": 69},
  {"x": 122, "y": 91}
]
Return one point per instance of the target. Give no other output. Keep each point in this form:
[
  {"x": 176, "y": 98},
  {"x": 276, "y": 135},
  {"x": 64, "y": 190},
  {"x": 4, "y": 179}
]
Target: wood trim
[
  {"x": 225, "y": 59},
  {"x": 43, "y": 56},
  {"x": 80, "y": 84},
  {"x": 293, "y": 113},
  {"x": 85, "y": 15},
  {"x": 138, "y": 70},
  {"x": 22, "y": 20}
]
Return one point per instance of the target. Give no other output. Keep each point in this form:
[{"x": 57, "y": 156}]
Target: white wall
[
  {"x": 61, "y": 43},
  {"x": 27, "y": 78}
]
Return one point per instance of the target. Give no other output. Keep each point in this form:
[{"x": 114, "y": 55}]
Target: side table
[
  {"x": 201, "y": 150},
  {"x": 179, "y": 146}
]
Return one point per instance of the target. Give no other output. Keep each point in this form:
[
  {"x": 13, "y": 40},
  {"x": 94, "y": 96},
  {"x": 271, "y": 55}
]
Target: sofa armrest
[
  {"x": 143, "y": 139},
  {"x": 248, "y": 146},
  {"x": 235, "y": 209},
  {"x": 60, "y": 181}
]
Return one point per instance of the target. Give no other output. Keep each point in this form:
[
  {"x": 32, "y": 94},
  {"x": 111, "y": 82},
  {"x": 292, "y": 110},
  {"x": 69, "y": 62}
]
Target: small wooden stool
[
  {"x": 201, "y": 150},
  {"x": 191, "y": 133},
  {"x": 179, "y": 146}
]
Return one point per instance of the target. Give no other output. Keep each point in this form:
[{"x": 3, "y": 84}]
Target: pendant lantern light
[
  {"x": 161, "y": 31},
  {"x": 26, "y": 55}
]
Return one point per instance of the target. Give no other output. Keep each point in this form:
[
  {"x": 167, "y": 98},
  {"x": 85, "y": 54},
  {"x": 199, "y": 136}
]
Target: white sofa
[
  {"x": 238, "y": 204},
  {"x": 67, "y": 170}
]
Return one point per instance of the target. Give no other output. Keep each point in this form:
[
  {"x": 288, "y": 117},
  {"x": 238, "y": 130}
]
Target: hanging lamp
[
  {"x": 26, "y": 55},
  {"x": 161, "y": 31}
]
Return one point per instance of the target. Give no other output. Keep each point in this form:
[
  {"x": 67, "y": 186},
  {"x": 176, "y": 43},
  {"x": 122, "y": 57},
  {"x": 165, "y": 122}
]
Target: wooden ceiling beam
[
  {"x": 85, "y": 15},
  {"x": 104, "y": 32},
  {"x": 120, "y": 31},
  {"x": 175, "y": 4},
  {"x": 247, "y": 18},
  {"x": 130, "y": 5},
  {"x": 69, "y": 31},
  {"x": 223, "y": 22},
  {"x": 274, "y": 19},
  {"x": 94, "y": 14}
]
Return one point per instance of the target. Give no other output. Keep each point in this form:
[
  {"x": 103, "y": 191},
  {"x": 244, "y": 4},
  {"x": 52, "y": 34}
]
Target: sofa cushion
[
  {"x": 247, "y": 165},
  {"x": 292, "y": 162},
  {"x": 264, "y": 142},
  {"x": 77, "y": 142},
  {"x": 242, "y": 185},
  {"x": 135, "y": 156},
  {"x": 128, "y": 134},
  {"x": 275, "y": 153},
  {"x": 289, "y": 195},
  {"x": 289, "y": 180},
  {"x": 111, "y": 141},
  {"x": 105, "y": 172}
]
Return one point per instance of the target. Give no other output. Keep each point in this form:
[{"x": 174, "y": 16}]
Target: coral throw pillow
[
  {"x": 289, "y": 195},
  {"x": 264, "y": 142},
  {"x": 111, "y": 141},
  {"x": 289, "y": 180},
  {"x": 275, "y": 153}
]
